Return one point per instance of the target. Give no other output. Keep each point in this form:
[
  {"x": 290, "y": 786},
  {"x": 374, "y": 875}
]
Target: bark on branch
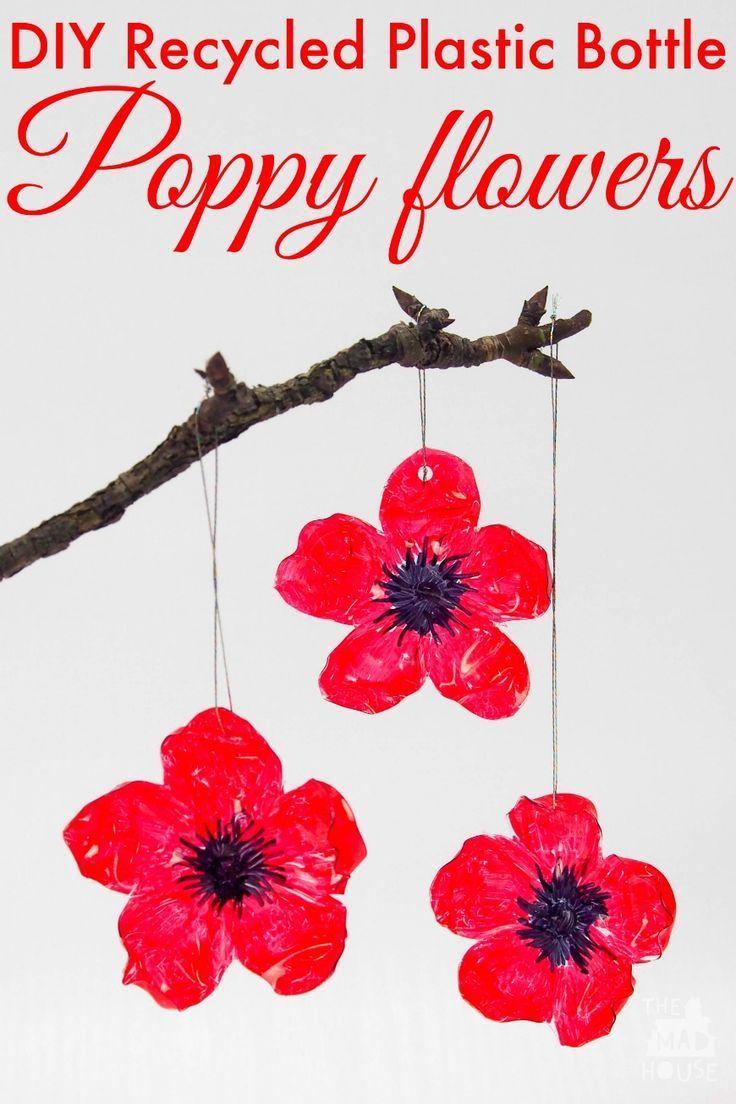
[{"x": 233, "y": 407}]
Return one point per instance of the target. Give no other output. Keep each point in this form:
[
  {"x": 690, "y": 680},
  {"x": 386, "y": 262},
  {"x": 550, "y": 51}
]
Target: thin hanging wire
[
  {"x": 553, "y": 352},
  {"x": 422, "y": 377},
  {"x": 422, "y": 373},
  {"x": 218, "y": 649}
]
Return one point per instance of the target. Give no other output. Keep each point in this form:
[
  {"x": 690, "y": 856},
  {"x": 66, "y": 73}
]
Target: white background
[{"x": 106, "y": 647}]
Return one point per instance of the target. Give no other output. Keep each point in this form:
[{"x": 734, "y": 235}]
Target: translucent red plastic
[
  {"x": 424, "y": 596},
  {"x": 220, "y": 777},
  {"x": 480, "y": 894}
]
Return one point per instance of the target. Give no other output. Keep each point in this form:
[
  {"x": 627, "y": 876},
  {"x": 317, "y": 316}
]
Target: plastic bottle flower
[
  {"x": 220, "y": 864},
  {"x": 424, "y": 598},
  {"x": 558, "y": 925}
]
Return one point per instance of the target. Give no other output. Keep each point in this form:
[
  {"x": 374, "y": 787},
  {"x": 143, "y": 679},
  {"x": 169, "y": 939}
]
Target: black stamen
[
  {"x": 231, "y": 864},
  {"x": 423, "y": 594},
  {"x": 558, "y": 921}
]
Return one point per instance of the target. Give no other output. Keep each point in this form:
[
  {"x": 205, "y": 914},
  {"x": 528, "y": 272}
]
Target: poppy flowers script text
[{"x": 76, "y": 135}]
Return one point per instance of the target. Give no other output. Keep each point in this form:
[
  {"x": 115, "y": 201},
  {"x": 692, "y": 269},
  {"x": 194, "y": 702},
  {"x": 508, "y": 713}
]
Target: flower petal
[
  {"x": 513, "y": 577},
  {"x": 413, "y": 508},
  {"x": 317, "y": 838},
  {"x": 480, "y": 668},
  {"x": 371, "y": 671},
  {"x": 586, "y": 1005},
  {"x": 567, "y": 831},
  {"x": 641, "y": 908},
  {"x": 116, "y": 838},
  {"x": 178, "y": 948},
  {"x": 219, "y": 765},
  {"x": 502, "y": 979},
  {"x": 333, "y": 571},
  {"x": 478, "y": 890},
  {"x": 291, "y": 941}
]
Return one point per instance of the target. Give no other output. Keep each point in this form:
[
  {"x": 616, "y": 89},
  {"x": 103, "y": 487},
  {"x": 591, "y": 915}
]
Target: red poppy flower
[
  {"x": 558, "y": 925},
  {"x": 424, "y": 598},
  {"x": 220, "y": 863}
]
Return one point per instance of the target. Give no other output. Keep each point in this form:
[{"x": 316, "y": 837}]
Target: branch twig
[{"x": 233, "y": 407}]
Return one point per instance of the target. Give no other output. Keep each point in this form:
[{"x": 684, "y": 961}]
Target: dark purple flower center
[
  {"x": 424, "y": 593},
  {"x": 233, "y": 863},
  {"x": 558, "y": 921}
]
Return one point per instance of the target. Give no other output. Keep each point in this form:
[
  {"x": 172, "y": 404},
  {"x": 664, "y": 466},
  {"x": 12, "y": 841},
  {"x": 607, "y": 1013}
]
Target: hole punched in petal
[
  {"x": 234, "y": 863},
  {"x": 423, "y": 593}
]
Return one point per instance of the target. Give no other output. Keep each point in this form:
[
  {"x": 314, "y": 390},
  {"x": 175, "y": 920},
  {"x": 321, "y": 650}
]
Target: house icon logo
[{"x": 680, "y": 1045}]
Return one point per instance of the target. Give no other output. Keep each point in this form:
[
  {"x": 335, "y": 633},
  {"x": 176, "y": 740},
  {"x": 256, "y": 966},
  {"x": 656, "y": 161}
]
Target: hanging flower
[
  {"x": 424, "y": 598},
  {"x": 220, "y": 863},
  {"x": 558, "y": 925}
]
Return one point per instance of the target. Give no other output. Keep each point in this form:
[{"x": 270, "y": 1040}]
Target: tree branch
[{"x": 233, "y": 407}]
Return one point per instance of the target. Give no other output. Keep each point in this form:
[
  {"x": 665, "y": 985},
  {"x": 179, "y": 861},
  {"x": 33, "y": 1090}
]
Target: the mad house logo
[{"x": 680, "y": 1046}]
